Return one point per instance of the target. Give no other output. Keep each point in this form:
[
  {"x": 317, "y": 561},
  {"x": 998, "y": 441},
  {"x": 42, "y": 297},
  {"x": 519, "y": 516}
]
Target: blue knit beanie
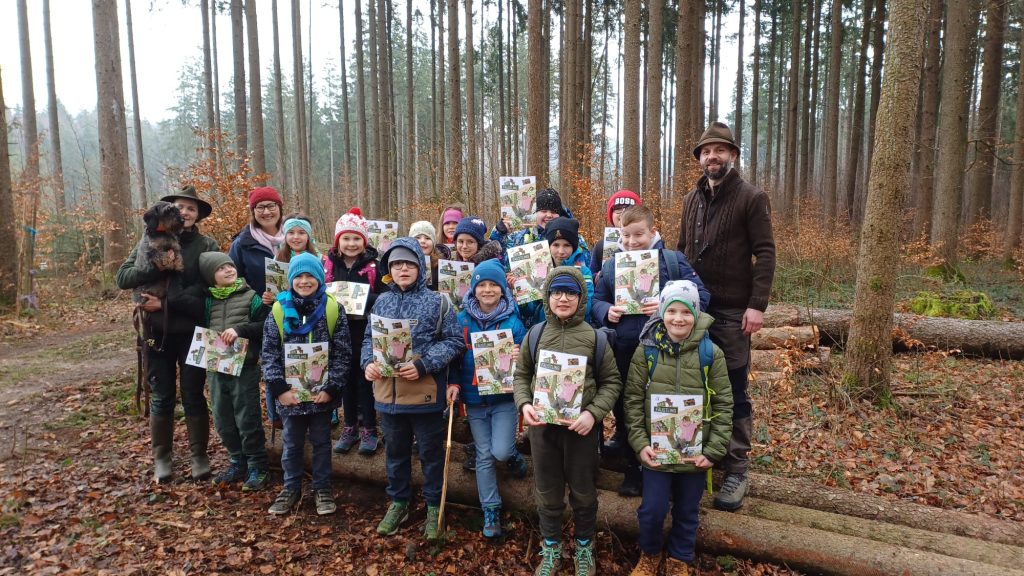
[
  {"x": 472, "y": 226},
  {"x": 488, "y": 270},
  {"x": 305, "y": 263}
]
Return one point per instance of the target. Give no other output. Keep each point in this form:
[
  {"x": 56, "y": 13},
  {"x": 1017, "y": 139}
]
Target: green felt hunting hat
[
  {"x": 189, "y": 192},
  {"x": 717, "y": 133}
]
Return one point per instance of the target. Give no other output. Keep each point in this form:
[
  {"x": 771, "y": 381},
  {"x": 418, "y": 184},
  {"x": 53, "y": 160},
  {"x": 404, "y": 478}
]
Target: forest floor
[{"x": 76, "y": 494}]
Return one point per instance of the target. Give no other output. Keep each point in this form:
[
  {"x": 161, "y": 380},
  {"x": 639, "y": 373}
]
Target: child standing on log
[{"x": 675, "y": 365}]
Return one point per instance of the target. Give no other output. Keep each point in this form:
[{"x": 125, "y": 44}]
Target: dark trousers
[
  {"x": 237, "y": 416},
  {"x": 357, "y": 399},
  {"x": 684, "y": 490},
  {"x": 317, "y": 427},
  {"x": 162, "y": 372},
  {"x": 560, "y": 458},
  {"x": 727, "y": 333},
  {"x": 623, "y": 356},
  {"x": 429, "y": 430}
]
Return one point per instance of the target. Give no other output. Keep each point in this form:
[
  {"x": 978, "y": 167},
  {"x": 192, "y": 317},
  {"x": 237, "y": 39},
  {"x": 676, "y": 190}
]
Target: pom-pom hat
[{"x": 351, "y": 222}]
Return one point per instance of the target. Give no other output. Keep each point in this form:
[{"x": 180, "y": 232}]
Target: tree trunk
[
  {"x": 769, "y": 166},
  {"x": 410, "y": 113},
  {"x": 788, "y": 206},
  {"x": 685, "y": 45},
  {"x": 259, "y": 153},
  {"x": 961, "y": 29},
  {"x": 877, "y": 57},
  {"x": 856, "y": 138},
  {"x": 140, "y": 166},
  {"x": 471, "y": 151},
  {"x": 536, "y": 123},
  {"x": 455, "y": 159},
  {"x": 362, "y": 157},
  {"x": 755, "y": 113},
  {"x": 796, "y": 337},
  {"x": 717, "y": 63},
  {"x": 211, "y": 118},
  {"x": 869, "y": 357},
  {"x": 924, "y": 193},
  {"x": 302, "y": 160},
  {"x": 1013, "y": 223},
  {"x": 282, "y": 153},
  {"x": 238, "y": 60},
  {"x": 9, "y": 224},
  {"x": 814, "y": 175},
  {"x": 216, "y": 81},
  {"x": 30, "y": 172},
  {"x": 806, "y": 106},
  {"x": 113, "y": 135},
  {"x": 386, "y": 118},
  {"x": 631, "y": 98},
  {"x": 988, "y": 112},
  {"x": 830, "y": 139},
  {"x": 346, "y": 164},
  {"x": 376, "y": 109},
  {"x": 738, "y": 115},
  {"x": 651, "y": 189},
  {"x": 57, "y": 164}
]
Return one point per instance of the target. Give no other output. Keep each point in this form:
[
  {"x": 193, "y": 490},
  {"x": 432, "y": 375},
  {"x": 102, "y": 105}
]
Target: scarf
[
  {"x": 272, "y": 243},
  {"x": 663, "y": 342},
  {"x": 222, "y": 292},
  {"x": 472, "y": 306},
  {"x": 302, "y": 314}
]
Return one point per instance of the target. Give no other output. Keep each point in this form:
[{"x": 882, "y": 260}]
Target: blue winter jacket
[
  {"x": 528, "y": 236},
  {"x": 248, "y": 255},
  {"x": 463, "y": 372},
  {"x": 435, "y": 348}
]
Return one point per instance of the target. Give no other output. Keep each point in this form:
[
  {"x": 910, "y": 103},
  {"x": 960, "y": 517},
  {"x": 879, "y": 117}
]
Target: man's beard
[{"x": 720, "y": 173}]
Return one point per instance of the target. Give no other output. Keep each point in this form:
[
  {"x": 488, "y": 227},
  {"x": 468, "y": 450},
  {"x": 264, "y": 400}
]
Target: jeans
[
  {"x": 561, "y": 458},
  {"x": 494, "y": 434},
  {"x": 296, "y": 428},
  {"x": 237, "y": 416},
  {"x": 429, "y": 430},
  {"x": 162, "y": 372},
  {"x": 685, "y": 491},
  {"x": 357, "y": 399},
  {"x": 272, "y": 414}
]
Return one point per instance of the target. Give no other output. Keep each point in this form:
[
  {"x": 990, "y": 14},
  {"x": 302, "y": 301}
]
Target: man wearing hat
[
  {"x": 726, "y": 234},
  {"x": 168, "y": 355}
]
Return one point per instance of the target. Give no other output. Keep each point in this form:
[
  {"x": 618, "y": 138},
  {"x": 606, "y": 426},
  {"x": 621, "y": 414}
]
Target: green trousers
[{"x": 237, "y": 416}]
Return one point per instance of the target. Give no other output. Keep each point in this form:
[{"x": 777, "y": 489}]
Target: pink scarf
[{"x": 272, "y": 243}]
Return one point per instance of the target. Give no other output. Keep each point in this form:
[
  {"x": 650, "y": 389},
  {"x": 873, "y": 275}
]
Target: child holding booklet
[
  {"x": 306, "y": 313},
  {"x": 236, "y": 311},
  {"x": 489, "y": 306},
  {"x": 412, "y": 398},
  {"x": 668, "y": 366},
  {"x": 638, "y": 233},
  {"x": 567, "y": 455},
  {"x": 616, "y": 204},
  {"x": 353, "y": 259}
]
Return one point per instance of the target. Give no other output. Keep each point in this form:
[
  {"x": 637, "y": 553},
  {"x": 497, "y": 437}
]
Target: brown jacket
[{"x": 719, "y": 234}]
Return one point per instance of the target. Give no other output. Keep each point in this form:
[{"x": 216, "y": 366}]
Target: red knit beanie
[
  {"x": 351, "y": 222},
  {"x": 622, "y": 199},
  {"x": 266, "y": 193}
]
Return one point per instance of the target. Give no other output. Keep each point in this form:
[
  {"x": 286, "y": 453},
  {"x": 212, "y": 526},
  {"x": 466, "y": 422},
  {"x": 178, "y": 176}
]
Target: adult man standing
[{"x": 726, "y": 234}]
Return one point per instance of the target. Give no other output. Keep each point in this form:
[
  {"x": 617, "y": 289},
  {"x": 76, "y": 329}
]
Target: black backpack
[{"x": 603, "y": 338}]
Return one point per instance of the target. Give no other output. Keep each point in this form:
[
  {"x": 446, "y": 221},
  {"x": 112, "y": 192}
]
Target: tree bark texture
[
  {"x": 411, "y": 189},
  {"x": 302, "y": 151},
  {"x": 140, "y": 165},
  {"x": 789, "y": 207},
  {"x": 685, "y": 45},
  {"x": 8, "y": 225},
  {"x": 238, "y": 79},
  {"x": 830, "y": 139},
  {"x": 924, "y": 194},
  {"x": 282, "y": 152},
  {"x": 536, "y": 123},
  {"x": 53, "y": 115},
  {"x": 856, "y": 134},
  {"x": 455, "y": 158},
  {"x": 987, "y": 137},
  {"x": 475, "y": 192},
  {"x": 651, "y": 190},
  {"x": 30, "y": 146},
  {"x": 755, "y": 112},
  {"x": 259, "y": 153},
  {"x": 631, "y": 98},
  {"x": 1013, "y": 222},
  {"x": 738, "y": 114},
  {"x": 363, "y": 156},
  {"x": 806, "y": 106},
  {"x": 211, "y": 118}
]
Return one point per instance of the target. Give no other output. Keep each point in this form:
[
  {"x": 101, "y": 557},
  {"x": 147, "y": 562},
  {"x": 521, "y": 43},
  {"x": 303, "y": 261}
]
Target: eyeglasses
[
  {"x": 403, "y": 264},
  {"x": 563, "y": 295},
  {"x": 270, "y": 207}
]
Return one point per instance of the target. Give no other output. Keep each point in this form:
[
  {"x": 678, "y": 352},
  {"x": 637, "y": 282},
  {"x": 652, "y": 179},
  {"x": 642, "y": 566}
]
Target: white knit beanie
[
  {"x": 683, "y": 291},
  {"x": 423, "y": 227}
]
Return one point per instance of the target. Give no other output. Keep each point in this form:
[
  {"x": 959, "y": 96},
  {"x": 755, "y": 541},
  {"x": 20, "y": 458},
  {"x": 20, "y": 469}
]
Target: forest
[{"x": 887, "y": 382}]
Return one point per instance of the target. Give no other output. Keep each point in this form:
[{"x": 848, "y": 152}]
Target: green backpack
[{"x": 332, "y": 312}]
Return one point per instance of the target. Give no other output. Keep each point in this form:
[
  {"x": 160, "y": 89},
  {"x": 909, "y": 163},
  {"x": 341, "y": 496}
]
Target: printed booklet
[
  {"x": 558, "y": 389},
  {"x": 351, "y": 295},
  {"x": 209, "y": 351},
  {"x": 453, "y": 280},
  {"x": 611, "y": 244},
  {"x": 518, "y": 199},
  {"x": 676, "y": 427},
  {"x": 305, "y": 368},
  {"x": 277, "y": 275},
  {"x": 529, "y": 264},
  {"x": 494, "y": 360},
  {"x": 381, "y": 234},
  {"x": 636, "y": 279},
  {"x": 392, "y": 343}
]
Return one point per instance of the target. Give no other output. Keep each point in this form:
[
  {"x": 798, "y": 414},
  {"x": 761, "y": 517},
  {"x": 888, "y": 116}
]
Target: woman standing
[{"x": 166, "y": 358}]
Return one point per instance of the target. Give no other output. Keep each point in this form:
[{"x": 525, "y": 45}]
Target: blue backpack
[{"x": 705, "y": 352}]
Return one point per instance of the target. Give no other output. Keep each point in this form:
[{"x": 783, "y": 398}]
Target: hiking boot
[
  {"x": 235, "y": 472},
  {"x": 325, "y": 502},
  {"x": 583, "y": 558},
  {"x": 730, "y": 495},
  {"x": 256, "y": 481},
  {"x": 517, "y": 466},
  {"x": 397, "y": 513},
  {"x": 469, "y": 464},
  {"x": 550, "y": 559},
  {"x": 347, "y": 441},
  {"x": 334, "y": 419},
  {"x": 674, "y": 567},
  {"x": 492, "y": 522},
  {"x": 648, "y": 565},
  {"x": 430, "y": 528},
  {"x": 368, "y": 441},
  {"x": 161, "y": 431},
  {"x": 632, "y": 482},
  {"x": 285, "y": 501}
]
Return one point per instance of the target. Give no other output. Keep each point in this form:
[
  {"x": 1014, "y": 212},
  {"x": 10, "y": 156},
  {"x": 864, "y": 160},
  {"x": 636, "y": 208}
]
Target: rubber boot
[
  {"x": 198, "y": 441},
  {"x": 161, "y": 432}
]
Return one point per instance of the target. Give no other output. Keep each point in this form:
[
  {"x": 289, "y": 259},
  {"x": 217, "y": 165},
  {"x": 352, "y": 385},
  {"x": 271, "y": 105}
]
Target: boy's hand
[
  {"x": 702, "y": 462},
  {"x": 530, "y": 416},
  {"x": 268, "y": 298},
  {"x": 372, "y": 372},
  {"x": 510, "y": 278},
  {"x": 647, "y": 457},
  {"x": 515, "y": 351},
  {"x": 322, "y": 398},
  {"x": 649, "y": 308},
  {"x": 615, "y": 313},
  {"x": 229, "y": 336},
  {"x": 409, "y": 372},
  {"x": 584, "y": 424},
  {"x": 452, "y": 394},
  {"x": 289, "y": 398},
  {"x": 752, "y": 321},
  {"x": 150, "y": 303}
]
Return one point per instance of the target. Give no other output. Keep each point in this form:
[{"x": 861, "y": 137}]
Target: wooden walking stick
[{"x": 447, "y": 456}]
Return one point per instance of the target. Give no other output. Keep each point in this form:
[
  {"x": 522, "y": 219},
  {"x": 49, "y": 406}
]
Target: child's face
[
  {"x": 466, "y": 246},
  {"x": 488, "y": 293},
  {"x": 637, "y": 236},
  {"x": 225, "y": 275},
  {"x": 678, "y": 321},
  {"x": 351, "y": 245},
  {"x": 305, "y": 284},
  {"x": 297, "y": 239},
  {"x": 545, "y": 216},
  {"x": 403, "y": 273},
  {"x": 426, "y": 244},
  {"x": 564, "y": 304},
  {"x": 560, "y": 250},
  {"x": 449, "y": 229}
]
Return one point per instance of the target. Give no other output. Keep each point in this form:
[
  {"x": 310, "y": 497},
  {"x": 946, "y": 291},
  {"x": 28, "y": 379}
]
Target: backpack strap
[
  {"x": 278, "y": 313},
  {"x": 706, "y": 353},
  {"x": 445, "y": 304},
  {"x": 672, "y": 263},
  {"x": 332, "y": 311},
  {"x": 651, "y": 355},
  {"x": 533, "y": 339}
]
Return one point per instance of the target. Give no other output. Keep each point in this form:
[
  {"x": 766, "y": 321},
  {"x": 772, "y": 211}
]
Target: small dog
[{"x": 163, "y": 224}]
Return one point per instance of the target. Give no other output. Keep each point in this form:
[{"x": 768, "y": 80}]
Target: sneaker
[
  {"x": 347, "y": 441},
  {"x": 648, "y": 565},
  {"x": 675, "y": 567},
  {"x": 397, "y": 513},
  {"x": 583, "y": 558},
  {"x": 517, "y": 466},
  {"x": 492, "y": 522},
  {"x": 430, "y": 529},
  {"x": 734, "y": 489},
  {"x": 235, "y": 472},
  {"x": 285, "y": 501},
  {"x": 368, "y": 441},
  {"x": 469, "y": 464},
  {"x": 256, "y": 481},
  {"x": 550, "y": 559},
  {"x": 325, "y": 502}
]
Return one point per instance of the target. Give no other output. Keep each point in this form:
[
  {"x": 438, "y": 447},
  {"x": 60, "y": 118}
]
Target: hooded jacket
[
  {"x": 679, "y": 375},
  {"x": 533, "y": 312},
  {"x": 463, "y": 372},
  {"x": 602, "y": 386},
  {"x": 427, "y": 394},
  {"x": 248, "y": 256}
]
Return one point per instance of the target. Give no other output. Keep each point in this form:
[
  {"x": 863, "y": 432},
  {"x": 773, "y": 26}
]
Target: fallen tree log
[
  {"x": 803, "y": 361},
  {"x": 772, "y": 338},
  {"x": 988, "y": 338}
]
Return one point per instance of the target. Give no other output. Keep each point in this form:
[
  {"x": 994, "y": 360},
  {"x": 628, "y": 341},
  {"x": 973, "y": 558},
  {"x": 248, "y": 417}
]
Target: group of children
[{"x": 661, "y": 350}]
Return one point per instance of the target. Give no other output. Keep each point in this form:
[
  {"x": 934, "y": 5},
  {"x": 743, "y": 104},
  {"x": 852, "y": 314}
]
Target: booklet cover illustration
[
  {"x": 305, "y": 368},
  {"x": 381, "y": 233},
  {"x": 494, "y": 358},
  {"x": 518, "y": 195},
  {"x": 612, "y": 236},
  {"x": 453, "y": 279},
  {"x": 529, "y": 264},
  {"x": 636, "y": 279},
  {"x": 209, "y": 351},
  {"x": 277, "y": 275},
  {"x": 351, "y": 295},
  {"x": 676, "y": 427},
  {"x": 558, "y": 387},
  {"x": 392, "y": 343}
]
